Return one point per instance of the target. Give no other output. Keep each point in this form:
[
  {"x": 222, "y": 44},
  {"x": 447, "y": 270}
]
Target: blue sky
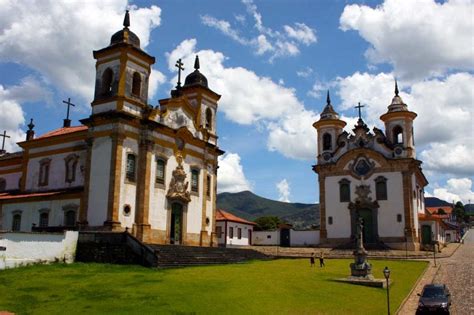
[{"x": 272, "y": 61}]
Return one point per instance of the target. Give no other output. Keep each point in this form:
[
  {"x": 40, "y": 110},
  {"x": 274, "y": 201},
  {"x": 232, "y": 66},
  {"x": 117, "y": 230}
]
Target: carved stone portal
[{"x": 179, "y": 186}]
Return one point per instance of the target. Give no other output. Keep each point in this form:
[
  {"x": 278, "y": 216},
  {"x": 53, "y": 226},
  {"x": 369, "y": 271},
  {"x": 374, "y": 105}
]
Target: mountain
[
  {"x": 436, "y": 202},
  {"x": 249, "y": 206}
]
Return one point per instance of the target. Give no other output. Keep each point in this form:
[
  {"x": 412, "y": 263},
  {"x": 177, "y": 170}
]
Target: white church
[
  {"x": 373, "y": 175},
  {"x": 130, "y": 165}
]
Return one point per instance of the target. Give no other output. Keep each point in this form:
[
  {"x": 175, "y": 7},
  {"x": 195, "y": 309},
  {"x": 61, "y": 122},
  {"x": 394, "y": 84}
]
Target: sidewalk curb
[{"x": 420, "y": 277}]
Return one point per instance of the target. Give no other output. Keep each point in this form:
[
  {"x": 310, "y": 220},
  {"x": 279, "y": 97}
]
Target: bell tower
[
  {"x": 329, "y": 127},
  {"x": 122, "y": 74},
  {"x": 399, "y": 127}
]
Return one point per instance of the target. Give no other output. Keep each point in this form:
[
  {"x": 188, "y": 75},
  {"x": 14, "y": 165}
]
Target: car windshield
[{"x": 433, "y": 292}]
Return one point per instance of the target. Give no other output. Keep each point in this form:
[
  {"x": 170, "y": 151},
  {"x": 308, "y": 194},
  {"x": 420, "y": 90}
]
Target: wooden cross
[
  {"x": 180, "y": 67},
  {"x": 359, "y": 107},
  {"x": 69, "y": 104},
  {"x": 4, "y": 135}
]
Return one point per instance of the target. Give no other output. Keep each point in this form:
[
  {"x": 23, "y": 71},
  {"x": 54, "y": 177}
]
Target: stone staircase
[{"x": 181, "y": 256}]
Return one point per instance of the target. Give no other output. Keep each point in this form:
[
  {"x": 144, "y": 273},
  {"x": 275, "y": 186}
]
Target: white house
[{"x": 232, "y": 230}]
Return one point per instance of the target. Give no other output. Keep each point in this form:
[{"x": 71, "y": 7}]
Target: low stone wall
[{"x": 23, "y": 248}]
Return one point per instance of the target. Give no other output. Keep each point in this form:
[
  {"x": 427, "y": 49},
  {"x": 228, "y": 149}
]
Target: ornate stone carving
[
  {"x": 361, "y": 267},
  {"x": 363, "y": 200},
  {"x": 179, "y": 186}
]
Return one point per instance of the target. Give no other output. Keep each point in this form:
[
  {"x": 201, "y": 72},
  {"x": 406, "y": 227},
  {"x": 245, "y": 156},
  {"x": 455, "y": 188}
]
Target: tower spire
[
  {"x": 396, "y": 87},
  {"x": 328, "y": 99},
  {"x": 196, "y": 63},
  {"x": 126, "y": 20}
]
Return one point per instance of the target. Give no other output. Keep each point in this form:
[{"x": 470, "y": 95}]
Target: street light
[{"x": 386, "y": 273}]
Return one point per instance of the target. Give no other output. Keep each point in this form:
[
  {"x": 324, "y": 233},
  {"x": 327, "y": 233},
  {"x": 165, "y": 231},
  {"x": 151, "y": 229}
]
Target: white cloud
[
  {"x": 231, "y": 177},
  {"x": 304, "y": 73},
  {"x": 449, "y": 158},
  {"x": 302, "y": 33},
  {"x": 267, "y": 41},
  {"x": 56, "y": 38},
  {"x": 283, "y": 190},
  {"x": 11, "y": 113},
  {"x": 156, "y": 79},
  {"x": 456, "y": 189},
  {"x": 419, "y": 38}
]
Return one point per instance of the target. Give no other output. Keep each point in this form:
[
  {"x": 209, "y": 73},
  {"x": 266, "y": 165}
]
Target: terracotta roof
[
  {"x": 62, "y": 131},
  {"x": 434, "y": 210},
  {"x": 24, "y": 195},
  {"x": 221, "y": 215},
  {"x": 430, "y": 217}
]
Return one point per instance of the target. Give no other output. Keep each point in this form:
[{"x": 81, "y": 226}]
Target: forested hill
[{"x": 249, "y": 206}]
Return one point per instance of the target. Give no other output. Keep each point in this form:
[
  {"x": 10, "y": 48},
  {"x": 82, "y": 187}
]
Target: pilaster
[
  {"x": 85, "y": 196},
  {"x": 112, "y": 221},
  {"x": 323, "y": 234},
  {"x": 142, "y": 226},
  {"x": 408, "y": 206}
]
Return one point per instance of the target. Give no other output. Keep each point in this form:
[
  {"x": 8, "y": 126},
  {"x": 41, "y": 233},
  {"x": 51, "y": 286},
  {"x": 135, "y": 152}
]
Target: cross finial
[
  {"x": 328, "y": 99},
  {"x": 196, "y": 63},
  {"x": 4, "y": 135},
  {"x": 359, "y": 107},
  {"x": 180, "y": 67},
  {"x": 396, "y": 88},
  {"x": 126, "y": 19},
  {"x": 31, "y": 125},
  {"x": 67, "y": 121}
]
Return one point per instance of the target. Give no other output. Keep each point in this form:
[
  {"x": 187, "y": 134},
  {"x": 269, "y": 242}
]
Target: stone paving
[{"x": 457, "y": 272}]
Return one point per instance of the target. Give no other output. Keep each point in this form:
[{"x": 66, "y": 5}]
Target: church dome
[
  {"x": 196, "y": 77},
  {"x": 397, "y": 102},
  {"x": 328, "y": 111},
  {"x": 125, "y": 35}
]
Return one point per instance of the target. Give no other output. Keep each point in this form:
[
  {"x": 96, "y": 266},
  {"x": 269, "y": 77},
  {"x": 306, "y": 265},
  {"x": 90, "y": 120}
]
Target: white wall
[
  {"x": 30, "y": 212},
  {"x": 225, "y": 238},
  {"x": 304, "y": 238},
  {"x": 266, "y": 237},
  {"x": 387, "y": 213},
  {"x": 12, "y": 180},
  {"x": 30, "y": 248}
]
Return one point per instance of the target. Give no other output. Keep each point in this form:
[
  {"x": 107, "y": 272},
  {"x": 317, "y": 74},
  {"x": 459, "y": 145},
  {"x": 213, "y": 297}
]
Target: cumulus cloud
[
  {"x": 305, "y": 73},
  {"x": 419, "y": 38},
  {"x": 11, "y": 112},
  {"x": 456, "y": 189},
  {"x": 267, "y": 41},
  {"x": 283, "y": 188},
  {"x": 266, "y": 103},
  {"x": 231, "y": 177},
  {"x": 56, "y": 38}
]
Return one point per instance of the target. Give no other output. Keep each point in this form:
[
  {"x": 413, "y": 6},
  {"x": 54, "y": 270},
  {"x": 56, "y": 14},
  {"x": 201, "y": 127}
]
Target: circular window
[{"x": 127, "y": 210}]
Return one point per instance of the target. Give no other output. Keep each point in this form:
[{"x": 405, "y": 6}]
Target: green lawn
[{"x": 280, "y": 286}]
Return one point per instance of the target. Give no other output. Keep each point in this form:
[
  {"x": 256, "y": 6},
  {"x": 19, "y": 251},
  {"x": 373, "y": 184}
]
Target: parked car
[{"x": 435, "y": 298}]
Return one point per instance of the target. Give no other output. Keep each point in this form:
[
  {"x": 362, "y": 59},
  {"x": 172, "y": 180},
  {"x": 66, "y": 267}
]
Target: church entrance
[
  {"x": 176, "y": 228},
  {"x": 426, "y": 234},
  {"x": 368, "y": 227}
]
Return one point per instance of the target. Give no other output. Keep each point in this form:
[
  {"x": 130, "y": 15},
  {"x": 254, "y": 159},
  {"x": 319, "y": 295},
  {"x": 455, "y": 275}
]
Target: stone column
[
  {"x": 142, "y": 227},
  {"x": 87, "y": 175},
  {"x": 408, "y": 207},
  {"x": 323, "y": 234},
  {"x": 204, "y": 238},
  {"x": 112, "y": 222}
]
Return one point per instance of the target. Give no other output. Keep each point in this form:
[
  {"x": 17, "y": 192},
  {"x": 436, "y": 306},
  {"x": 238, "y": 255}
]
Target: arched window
[
  {"x": 3, "y": 184},
  {"x": 131, "y": 166},
  {"x": 344, "y": 190},
  {"x": 381, "y": 188},
  {"x": 16, "y": 222},
  {"x": 327, "y": 142},
  {"x": 160, "y": 171},
  {"x": 136, "y": 84},
  {"x": 70, "y": 218},
  {"x": 397, "y": 135},
  {"x": 71, "y": 165},
  {"x": 107, "y": 78},
  {"x": 44, "y": 218},
  {"x": 208, "y": 118},
  {"x": 44, "y": 172}
]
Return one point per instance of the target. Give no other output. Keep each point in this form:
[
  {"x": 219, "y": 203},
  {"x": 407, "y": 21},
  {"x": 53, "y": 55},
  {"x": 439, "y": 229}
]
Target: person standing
[
  {"x": 311, "y": 260},
  {"x": 321, "y": 259}
]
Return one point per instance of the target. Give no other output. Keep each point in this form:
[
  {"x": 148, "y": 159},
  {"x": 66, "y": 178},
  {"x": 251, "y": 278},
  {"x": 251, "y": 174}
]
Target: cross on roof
[
  {"x": 359, "y": 107},
  {"x": 67, "y": 121},
  {"x": 4, "y": 135},
  {"x": 180, "y": 67}
]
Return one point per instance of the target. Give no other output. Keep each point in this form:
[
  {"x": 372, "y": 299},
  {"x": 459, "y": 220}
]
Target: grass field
[{"x": 280, "y": 286}]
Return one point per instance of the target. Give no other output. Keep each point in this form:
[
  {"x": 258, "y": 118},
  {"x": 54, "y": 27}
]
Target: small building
[{"x": 232, "y": 230}]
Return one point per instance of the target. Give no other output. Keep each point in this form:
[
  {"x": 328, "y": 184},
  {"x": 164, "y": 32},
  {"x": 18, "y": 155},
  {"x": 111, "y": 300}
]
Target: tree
[
  {"x": 460, "y": 212},
  {"x": 441, "y": 211},
  {"x": 267, "y": 223}
]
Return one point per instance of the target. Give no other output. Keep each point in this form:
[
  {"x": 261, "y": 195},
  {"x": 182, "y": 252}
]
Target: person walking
[
  {"x": 321, "y": 259},
  {"x": 311, "y": 260}
]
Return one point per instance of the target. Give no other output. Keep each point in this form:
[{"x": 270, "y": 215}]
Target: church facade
[
  {"x": 130, "y": 165},
  {"x": 373, "y": 175}
]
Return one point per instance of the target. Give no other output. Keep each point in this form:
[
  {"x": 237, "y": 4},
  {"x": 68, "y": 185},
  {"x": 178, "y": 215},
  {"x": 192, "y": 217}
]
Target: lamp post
[
  {"x": 434, "y": 248},
  {"x": 386, "y": 273}
]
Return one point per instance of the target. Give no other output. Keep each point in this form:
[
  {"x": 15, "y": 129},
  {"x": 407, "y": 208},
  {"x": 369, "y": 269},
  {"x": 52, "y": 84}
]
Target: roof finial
[
  {"x": 396, "y": 88},
  {"x": 126, "y": 20},
  {"x": 31, "y": 125},
  {"x": 328, "y": 99},
  {"x": 196, "y": 63}
]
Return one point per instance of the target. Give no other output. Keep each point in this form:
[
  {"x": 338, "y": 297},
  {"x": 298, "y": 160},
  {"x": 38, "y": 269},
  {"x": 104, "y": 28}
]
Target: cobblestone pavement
[{"x": 457, "y": 272}]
